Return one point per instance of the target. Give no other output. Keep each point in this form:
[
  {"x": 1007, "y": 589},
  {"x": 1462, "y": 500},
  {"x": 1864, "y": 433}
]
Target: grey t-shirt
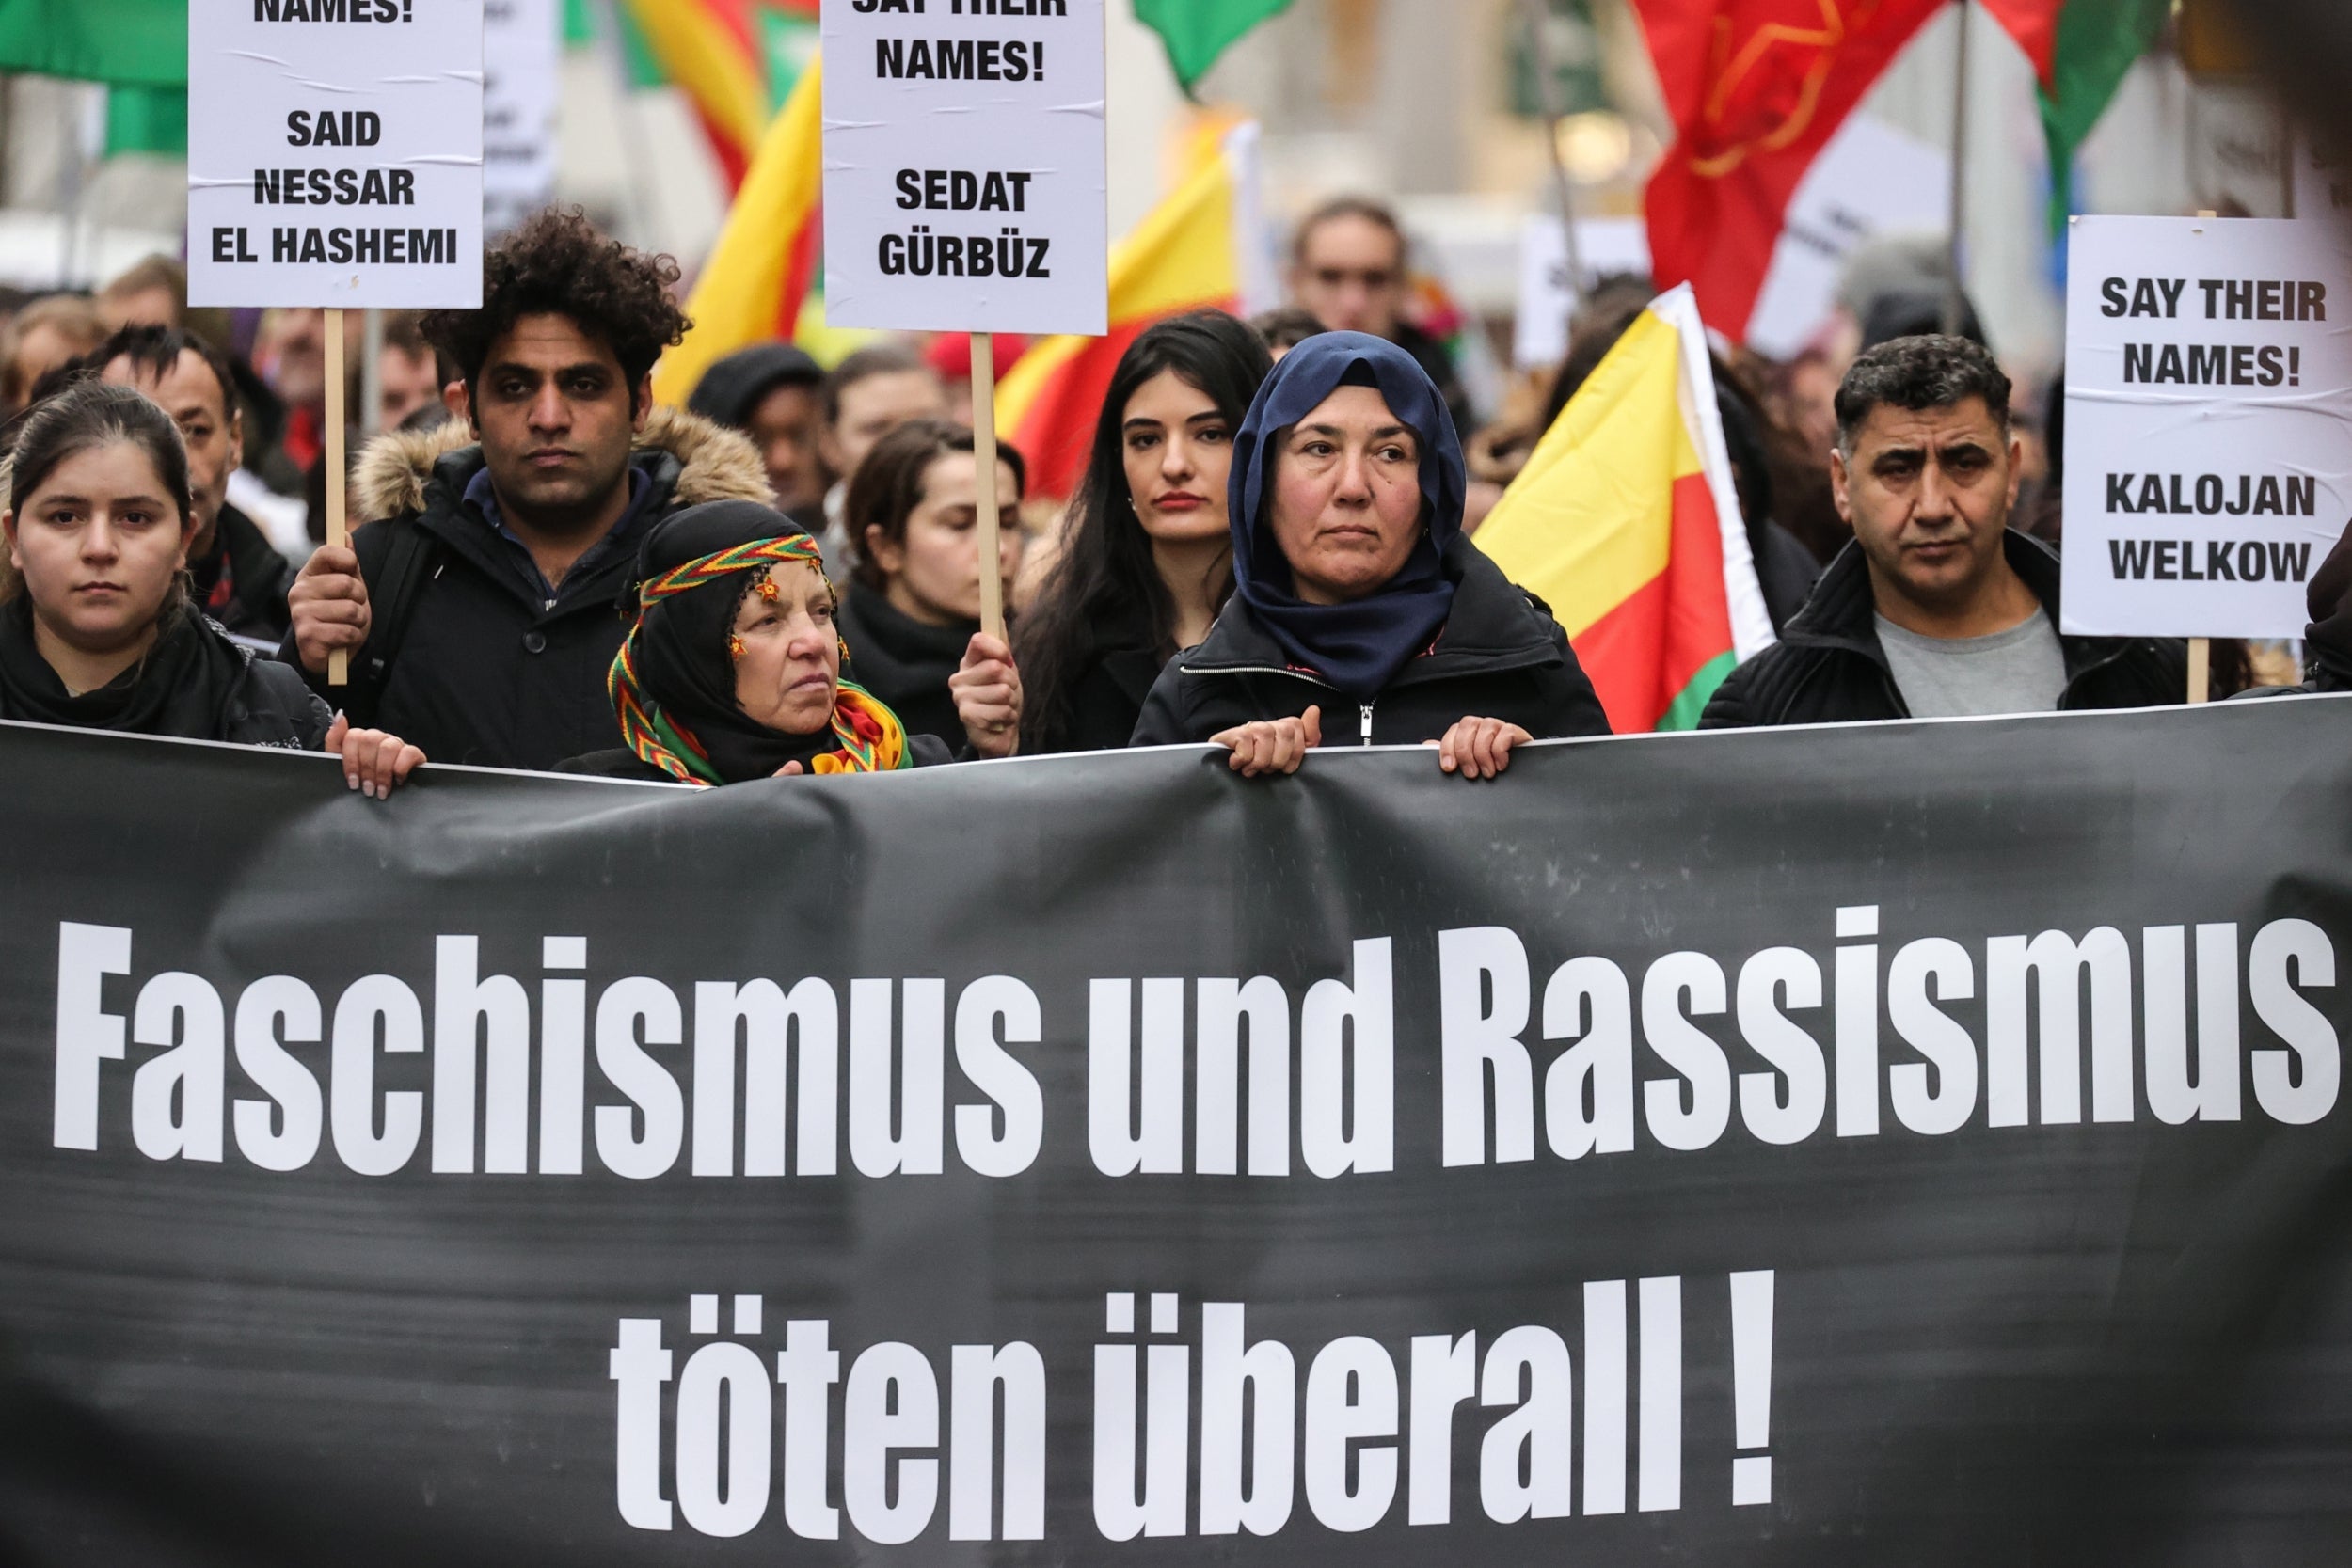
[{"x": 2022, "y": 670}]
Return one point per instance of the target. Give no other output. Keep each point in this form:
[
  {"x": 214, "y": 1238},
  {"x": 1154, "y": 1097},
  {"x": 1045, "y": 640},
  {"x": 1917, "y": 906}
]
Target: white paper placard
[
  {"x": 1548, "y": 295},
  {"x": 2208, "y": 423},
  {"x": 335, "y": 153},
  {"x": 965, "y": 186},
  {"x": 1871, "y": 181},
  {"x": 521, "y": 55}
]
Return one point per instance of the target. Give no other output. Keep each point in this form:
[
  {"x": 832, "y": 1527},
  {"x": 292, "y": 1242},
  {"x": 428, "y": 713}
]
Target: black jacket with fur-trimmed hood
[{"x": 487, "y": 669}]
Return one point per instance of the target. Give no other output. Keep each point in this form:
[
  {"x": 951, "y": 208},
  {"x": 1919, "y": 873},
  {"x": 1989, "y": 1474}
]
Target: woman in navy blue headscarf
[{"x": 1358, "y": 601}]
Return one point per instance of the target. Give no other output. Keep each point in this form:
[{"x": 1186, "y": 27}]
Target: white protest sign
[
  {"x": 2208, "y": 423},
  {"x": 521, "y": 55},
  {"x": 1871, "y": 181},
  {"x": 1548, "y": 295},
  {"x": 335, "y": 153},
  {"x": 965, "y": 184}
]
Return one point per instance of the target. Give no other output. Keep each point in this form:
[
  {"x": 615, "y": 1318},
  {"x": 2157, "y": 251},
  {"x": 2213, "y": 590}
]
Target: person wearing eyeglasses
[{"x": 1349, "y": 270}]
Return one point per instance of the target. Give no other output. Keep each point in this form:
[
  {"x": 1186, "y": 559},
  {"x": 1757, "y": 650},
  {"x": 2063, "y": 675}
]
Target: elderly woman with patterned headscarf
[
  {"x": 733, "y": 671},
  {"x": 1358, "y": 601}
]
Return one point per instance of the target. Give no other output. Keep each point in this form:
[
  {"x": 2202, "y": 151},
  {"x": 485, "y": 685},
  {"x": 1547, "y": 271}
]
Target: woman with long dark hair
[
  {"x": 97, "y": 631},
  {"x": 1147, "y": 554}
]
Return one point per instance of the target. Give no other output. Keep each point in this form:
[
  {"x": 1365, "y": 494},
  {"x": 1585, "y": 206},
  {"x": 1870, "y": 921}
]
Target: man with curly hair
[{"x": 478, "y": 605}]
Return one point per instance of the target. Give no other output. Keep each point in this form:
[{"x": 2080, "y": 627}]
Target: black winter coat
[
  {"x": 1828, "y": 667},
  {"x": 904, "y": 661},
  {"x": 255, "y": 576},
  {"x": 1106, "y": 703},
  {"x": 1501, "y": 656},
  {"x": 488, "y": 672}
]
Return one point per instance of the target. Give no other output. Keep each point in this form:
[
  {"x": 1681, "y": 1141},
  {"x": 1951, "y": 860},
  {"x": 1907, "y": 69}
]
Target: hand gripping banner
[{"x": 1915, "y": 1143}]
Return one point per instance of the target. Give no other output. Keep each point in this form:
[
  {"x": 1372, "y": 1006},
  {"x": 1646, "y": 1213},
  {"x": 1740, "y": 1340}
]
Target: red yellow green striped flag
[
  {"x": 1203, "y": 247},
  {"x": 2081, "y": 51},
  {"x": 751, "y": 288},
  {"x": 1625, "y": 522},
  {"x": 735, "y": 60}
]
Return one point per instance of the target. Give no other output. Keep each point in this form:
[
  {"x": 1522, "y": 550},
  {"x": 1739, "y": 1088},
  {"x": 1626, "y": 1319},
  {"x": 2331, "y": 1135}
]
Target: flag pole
[
  {"x": 984, "y": 472},
  {"x": 370, "y": 370},
  {"x": 1955, "y": 295},
  {"x": 337, "y": 526},
  {"x": 1548, "y": 104},
  {"x": 2201, "y": 648}
]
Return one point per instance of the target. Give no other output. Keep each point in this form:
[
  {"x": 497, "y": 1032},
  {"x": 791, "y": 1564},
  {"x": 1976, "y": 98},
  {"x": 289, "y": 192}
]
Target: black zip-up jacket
[
  {"x": 1500, "y": 655},
  {"x": 1828, "y": 667},
  {"x": 488, "y": 671},
  {"x": 904, "y": 661},
  {"x": 259, "y": 576}
]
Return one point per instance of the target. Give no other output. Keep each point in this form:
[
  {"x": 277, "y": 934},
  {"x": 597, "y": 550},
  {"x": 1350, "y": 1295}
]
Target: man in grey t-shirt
[{"x": 1938, "y": 608}]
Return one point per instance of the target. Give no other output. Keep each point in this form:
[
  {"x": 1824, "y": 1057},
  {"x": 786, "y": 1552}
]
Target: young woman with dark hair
[
  {"x": 912, "y": 614},
  {"x": 96, "y": 626},
  {"x": 1146, "y": 555}
]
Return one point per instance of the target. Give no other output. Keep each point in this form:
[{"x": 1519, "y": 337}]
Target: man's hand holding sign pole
[
  {"x": 334, "y": 166},
  {"x": 965, "y": 190}
]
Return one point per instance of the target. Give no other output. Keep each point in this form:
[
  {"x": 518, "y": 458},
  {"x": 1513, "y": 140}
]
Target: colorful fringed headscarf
[{"x": 673, "y": 683}]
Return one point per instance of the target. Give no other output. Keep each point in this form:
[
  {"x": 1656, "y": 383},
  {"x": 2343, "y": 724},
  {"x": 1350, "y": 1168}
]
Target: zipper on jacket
[{"x": 1367, "y": 712}]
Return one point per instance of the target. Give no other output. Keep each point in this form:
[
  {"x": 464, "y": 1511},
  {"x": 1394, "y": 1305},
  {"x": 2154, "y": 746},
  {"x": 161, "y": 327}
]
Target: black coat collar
[
  {"x": 1493, "y": 624},
  {"x": 1841, "y": 614},
  {"x": 460, "y": 526}
]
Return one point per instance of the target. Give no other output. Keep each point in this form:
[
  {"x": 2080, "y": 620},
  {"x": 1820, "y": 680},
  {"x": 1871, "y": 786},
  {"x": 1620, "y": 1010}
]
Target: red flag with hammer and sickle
[{"x": 1756, "y": 88}]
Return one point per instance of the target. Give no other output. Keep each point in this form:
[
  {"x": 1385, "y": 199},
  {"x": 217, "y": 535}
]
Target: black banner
[{"x": 1900, "y": 1144}]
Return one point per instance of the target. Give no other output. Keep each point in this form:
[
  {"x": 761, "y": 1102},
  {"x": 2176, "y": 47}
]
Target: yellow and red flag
[
  {"x": 1203, "y": 247},
  {"x": 732, "y": 58},
  {"x": 758, "y": 272},
  {"x": 1625, "y": 522}
]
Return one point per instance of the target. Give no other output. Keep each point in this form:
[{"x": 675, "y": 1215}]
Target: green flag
[
  {"x": 1197, "y": 31},
  {"x": 2096, "y": 45},
  {"x": 127, "y": 43},
  {"x": 146, "y": 119}
]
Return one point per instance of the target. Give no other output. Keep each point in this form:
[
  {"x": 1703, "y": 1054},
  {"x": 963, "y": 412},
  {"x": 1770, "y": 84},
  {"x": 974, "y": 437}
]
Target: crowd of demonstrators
[
  {"x": 476, "y": 603},
  {"x": 911, "y": 611},
  {"x": 1356, "y": 589},
  {"x": 1145, "y": 560},
  {"x": 237, "y": 576},
  {"x": 775, "y": 394},
  {"x": 1938, "y": 606},
  {"x": 96, "y": 627},
  {"x": 870, "y": 394},
  {"x": 1270, "y": 542},
  {"x": 733, "y": 671}
]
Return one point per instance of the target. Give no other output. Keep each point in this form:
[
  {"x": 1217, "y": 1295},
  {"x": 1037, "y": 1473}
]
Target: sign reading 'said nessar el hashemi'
[
  {"x": 335, "y": 153},
  {"x": 2208, "y": 423},
  {"x": 965, "y": 182}
]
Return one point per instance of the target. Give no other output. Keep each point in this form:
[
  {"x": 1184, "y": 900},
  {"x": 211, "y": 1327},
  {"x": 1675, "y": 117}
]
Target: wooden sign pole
[
  {"x": 337, "y": 526},
  {"x": 984, "y": 455}
]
